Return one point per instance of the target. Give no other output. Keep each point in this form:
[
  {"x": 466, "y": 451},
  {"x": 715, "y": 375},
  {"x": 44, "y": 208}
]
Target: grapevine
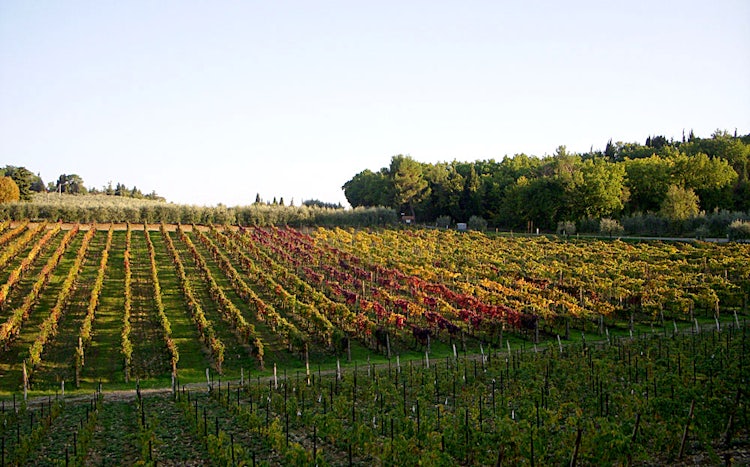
[
  {"x": 166, "y": 326},
  {"x": 12, "y": 326},
  {"x": 48, "y": 329},
  {"x": 204, "y": 326},
  {"x": 88, "y": 320}
]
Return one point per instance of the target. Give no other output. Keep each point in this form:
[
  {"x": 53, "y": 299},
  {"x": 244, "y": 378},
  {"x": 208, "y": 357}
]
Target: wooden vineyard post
[
  {"x": 307, "y": 364},
  {"x": 25, "y": 384},
  {"x": 466, "y": 432},
  {"x": 633, "y": 437},
  {"x": 315, "y": 443},
  {"x": 574, "y": 457},
  {"x": 687, "y": 427},
  {"x": 730, "y": 423},
  {"x": 79, "y": 361}
]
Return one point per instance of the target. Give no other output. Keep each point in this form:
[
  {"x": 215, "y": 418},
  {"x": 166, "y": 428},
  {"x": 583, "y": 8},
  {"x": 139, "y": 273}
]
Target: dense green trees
[
  {"x": 369, "y": 189},
  {"x": 72, "y": 184},
  {"x": 670, "y": 179},
  {"x": 25, "y": 180},
  {"x": 409, "y": 185},
  {"x": 679, "y": 204},
  {"x": 122, "y": 190}
]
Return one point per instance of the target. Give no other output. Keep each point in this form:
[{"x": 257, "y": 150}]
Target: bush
[
  {"x": 702, "y": 232},
  {"x": 648, "y": 224},
  {"x": 588, "y": 225},
  {"x": 477, "y": 223},
  {"x": 719, "y": 221},
  {"x": 566, "y": 228},
  {"x": 739, "y": 230},
  {"x": 8, "y": 190},
  {"x": 610, "y": 227},
  {"x": 443, "y": 222}
]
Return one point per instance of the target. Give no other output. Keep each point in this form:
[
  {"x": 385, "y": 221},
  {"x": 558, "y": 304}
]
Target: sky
[{"x": 215, "y": 102}]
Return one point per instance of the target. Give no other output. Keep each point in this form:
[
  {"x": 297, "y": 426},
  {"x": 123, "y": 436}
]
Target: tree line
[
  {"x": 27, "y": 183},
  {"x": 105, "y": 209},
  {"x": 23, "y": 195},
  {"x": 673, "y": 180}
]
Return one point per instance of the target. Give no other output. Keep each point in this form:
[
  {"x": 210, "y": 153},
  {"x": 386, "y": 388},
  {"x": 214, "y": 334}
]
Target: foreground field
[{"x": 659, "y": 399}]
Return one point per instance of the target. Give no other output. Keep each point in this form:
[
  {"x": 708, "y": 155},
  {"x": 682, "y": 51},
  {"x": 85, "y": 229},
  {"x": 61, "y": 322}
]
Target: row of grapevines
[
  {"x": 392, "y": 296},
  {"x": 289, "y": 332},
  {"x": 16, "y": 274},
  {"x": 228, "y": 311},
  {"x": 126, "y": 344},
  {"x": 84, "y": 338},
  {"x": 12, "y": 326},
  {"x": 354, "y": 323},
  {"x": 304, "y": 314},
  {"x": 9, "y": 235},
  {"x": 628, "y": 398},
  {"x": 284, "y": 275},
  {"x": 482, "y": 305},
  {"x": 436, "y": 302},
  {"x": 165, "y": 324},
  {"x": 206, "y": 330},
  {"x": 48, "y": 328},
  {"x": 23, "y": 431},
  {"x": 268, "y": 437},
  {"x": 602, "y": 277},
  {"x": 20, "y": 244}
]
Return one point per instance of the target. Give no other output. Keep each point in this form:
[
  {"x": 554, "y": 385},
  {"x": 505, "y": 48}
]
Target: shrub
[
  {"x": 648, "y": 224},
  {"x": 566, "y": 228},
  {"x": 610, "y": 227},
  {"x": 477, "y": 223},
  {"x": 702, "y": 232},
  {"x": 443, "y": 222},
  {"x": 739, "y": 230},
  {"x": 588, "y": 225},
  {"x": 8, "y": 190},
  {"x": 719, "y": 221}
]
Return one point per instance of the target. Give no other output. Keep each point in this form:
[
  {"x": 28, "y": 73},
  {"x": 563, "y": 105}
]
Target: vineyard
[{"x": 367, "y": 346}]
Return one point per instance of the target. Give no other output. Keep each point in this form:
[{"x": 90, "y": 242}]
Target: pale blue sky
[{"x": 213, "y": 102}]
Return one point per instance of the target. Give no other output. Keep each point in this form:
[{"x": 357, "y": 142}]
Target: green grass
[
  {"x": 103, "y": 360},
  {"x": 236, "y": 356},
  {"x": 150, "y": 356},
  {"x": 11, "y": 369},
  {"x": 193, "y": 356},
  {"x": 58, "y": 359},
  {"x": 274, "y": 346}
]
